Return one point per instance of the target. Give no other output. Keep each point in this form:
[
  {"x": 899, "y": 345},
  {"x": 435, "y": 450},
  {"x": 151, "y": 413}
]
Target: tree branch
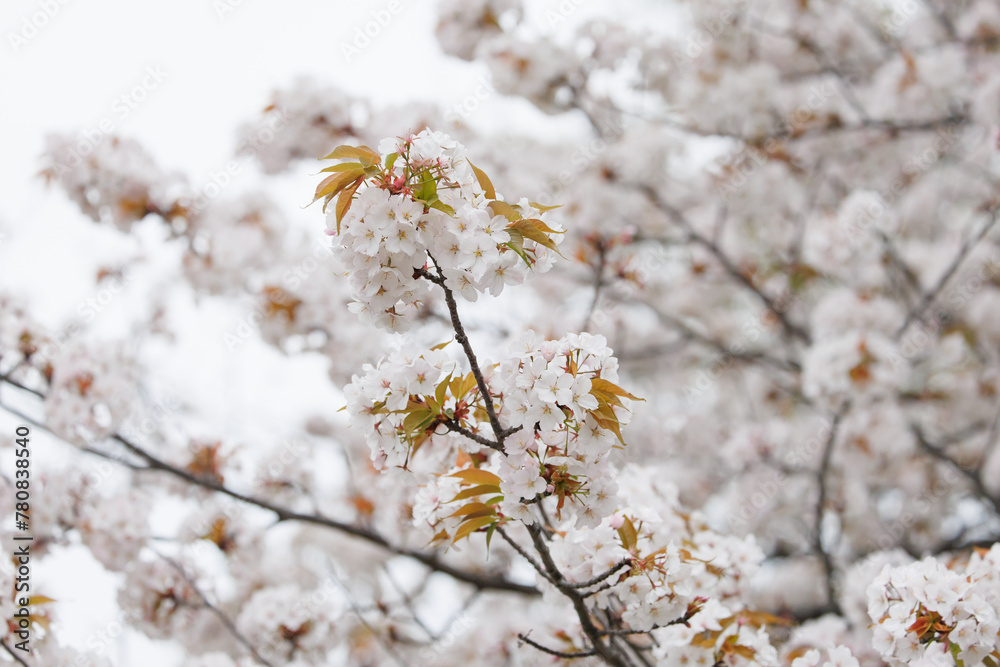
[
  {"x": 828, "y": 567},
  {"x": 152, "y": 463}
]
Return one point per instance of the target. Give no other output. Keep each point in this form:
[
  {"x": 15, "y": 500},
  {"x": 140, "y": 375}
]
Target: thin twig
[
  {"x": 828, "y": 568},
  {"x": 226, "y": 621},
  {"x": 16, "y": 657},
  {"x": 932, "y": 294},
  {"x": 153, "y": 463},
  {"x": 973, "y": 476},
  {"x": 551, "y": 651}
]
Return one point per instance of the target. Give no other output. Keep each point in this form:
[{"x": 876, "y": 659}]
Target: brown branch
[
  {"x": 456, "y": 323},
  {"x": 608, "y": 653},
  {"x": 932, "y": 294},
  {"x": 16, "y": 657},
  {"x": 551, "y": 651},
  {"x": 602, "y": 261},
  {"x": 455, "y": 427},
  {"x": 974, "y": 476},
  {"x": 225, "y": 620},
  {"x": 828, "y": 567},
  {"x": 152, "y": 463},
  {"x": 792, "y": 329}
]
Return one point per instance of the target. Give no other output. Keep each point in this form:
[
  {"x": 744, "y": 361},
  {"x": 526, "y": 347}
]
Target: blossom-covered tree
[{"x": 716, "y": 384}]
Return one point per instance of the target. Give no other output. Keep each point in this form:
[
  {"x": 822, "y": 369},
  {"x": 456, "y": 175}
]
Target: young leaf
[
  {"x": 333, "y": 184},
  {"x": 345, "y": 199},
  {"x": 473, "y": 525},
  {"x": 344, "y": 166},
  {"x": 506, "y": 210},
  {"x": 543, "y": 208},
  {"x": 629, "y": 535},
  {"x": 484, "y": 181},
  {"x": 367, "y": 156},
  {"x": 476, "y": 476},
  {"x": 611, "y": 388},
  {"x": 530, "y": 229},
  {"x": 478, "y": 490}
]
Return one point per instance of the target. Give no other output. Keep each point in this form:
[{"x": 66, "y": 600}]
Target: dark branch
[{"x": 552, "y": 651}]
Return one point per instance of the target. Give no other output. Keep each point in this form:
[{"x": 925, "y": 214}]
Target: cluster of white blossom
[
  {"x": 783, "y": 221},
  {"x": 289, "y": 622},
  {"x": 549, "y": 389},
  {"x": 91, "y": 393},
  {"x": 115, "y": 528},
  {"x": 428, "y": 212},
  {"x": 233, "y": 240},
  {"x": 377, "y": 399},
  {"x": 111, "y": 180},
  {"x": 930, "y": 612},
  {"x": 161, "y": 599}
]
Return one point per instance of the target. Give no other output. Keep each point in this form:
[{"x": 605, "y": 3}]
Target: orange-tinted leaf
[
  {"x": 612, "y": 388},
  {"x": 544, "y": 208},
  {"x": 345, "y": 199},
  {"x": 506, "y": 210},
  {"x": 629, "y": 535},
  {"x": 530, "y": 229},
  {"x": 476, "y": 476},
  {"x": 474, "y": 491},
  {"x": 484, "y": 181},
  {"x": 473, "y": 525},
  {"x": 367, "y": 156}
]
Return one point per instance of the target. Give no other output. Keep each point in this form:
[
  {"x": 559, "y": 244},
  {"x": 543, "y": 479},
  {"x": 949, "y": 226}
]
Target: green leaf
[
  {"x": 484, "y": 181},
  {"x": 516, "y": 244},
  {"x": 441, "y": 392},
  {"x": 418, "y": 420},
  {"x": 542, "y": 208},
  {"x": 426, "y": 190},
  {"x": 489, "y": 537},
  {"x": 390, "y": 160}
]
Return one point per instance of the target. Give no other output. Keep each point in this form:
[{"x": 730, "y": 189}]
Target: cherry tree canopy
[{"x": 716, "y": 382}]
